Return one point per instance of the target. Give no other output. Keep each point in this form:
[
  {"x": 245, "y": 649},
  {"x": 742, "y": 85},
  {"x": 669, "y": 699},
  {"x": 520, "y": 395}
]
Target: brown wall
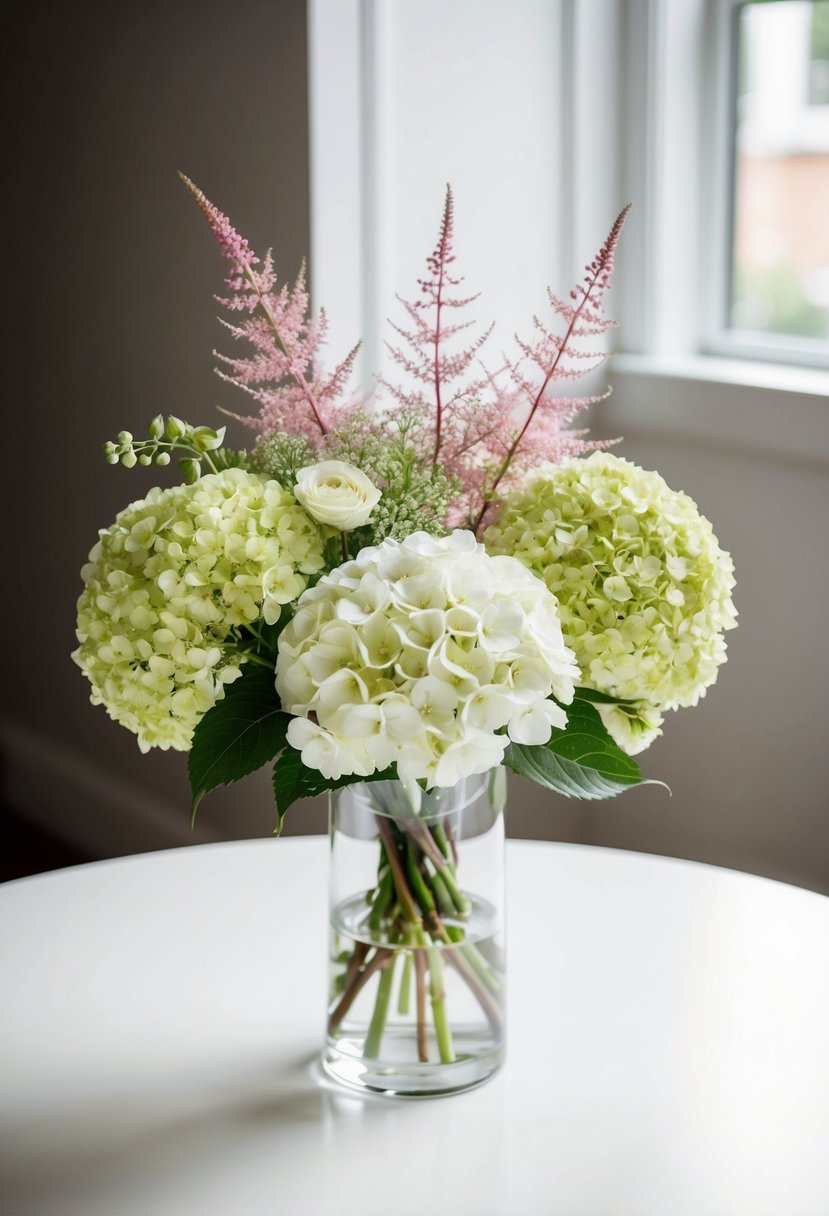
[{"x": 109, "y": 271}]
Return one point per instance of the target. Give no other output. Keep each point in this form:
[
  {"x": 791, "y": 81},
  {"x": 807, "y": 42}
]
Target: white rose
[{"x": 336, "y": 493}]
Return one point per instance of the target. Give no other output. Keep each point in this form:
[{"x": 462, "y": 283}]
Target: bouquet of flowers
[{"x": 407, "y": 591}]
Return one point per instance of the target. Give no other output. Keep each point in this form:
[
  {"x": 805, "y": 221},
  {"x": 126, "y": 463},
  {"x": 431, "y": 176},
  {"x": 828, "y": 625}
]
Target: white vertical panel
[
  {"x": 406, "y": 96},
  {"x": 664, "y": 70},
  {"x": 377, "y": 67},
  {"x": 476, "y": 102},
  {"x": 591, "y": 120},
  {"x": 336, "y": 136}
]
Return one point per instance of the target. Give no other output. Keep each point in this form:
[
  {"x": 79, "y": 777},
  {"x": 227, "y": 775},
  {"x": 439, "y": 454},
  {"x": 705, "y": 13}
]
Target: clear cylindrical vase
[{"x": 416, "y": 956}]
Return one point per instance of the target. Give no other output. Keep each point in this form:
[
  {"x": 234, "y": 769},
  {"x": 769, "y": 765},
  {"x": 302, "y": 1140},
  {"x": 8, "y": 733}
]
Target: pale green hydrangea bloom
[
  {"x": 644, "y": 589},
  {"x": 168, "y": 584}
]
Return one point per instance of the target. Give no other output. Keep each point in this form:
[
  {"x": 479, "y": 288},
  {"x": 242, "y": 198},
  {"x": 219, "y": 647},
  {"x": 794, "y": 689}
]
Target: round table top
[{"x": 162, "y": 1015}]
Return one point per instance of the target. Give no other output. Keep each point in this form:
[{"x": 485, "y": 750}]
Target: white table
[{"x": 161, "y": 1016}]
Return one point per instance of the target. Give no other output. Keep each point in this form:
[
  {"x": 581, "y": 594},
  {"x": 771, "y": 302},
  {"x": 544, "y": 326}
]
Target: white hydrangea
[
  {"x": 426, "y": 653},
  {"x": 167, "y": 584}
]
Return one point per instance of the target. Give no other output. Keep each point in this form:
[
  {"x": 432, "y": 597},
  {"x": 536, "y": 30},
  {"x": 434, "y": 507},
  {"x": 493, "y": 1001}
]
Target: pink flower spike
[
  {"x": 233, "y": 246},
  {"x": 281, "y": 374},
  {"x": 440, "y": 387},
  {"x": 552, "y": 358}
]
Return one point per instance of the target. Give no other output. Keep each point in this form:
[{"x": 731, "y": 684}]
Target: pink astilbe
[
  {"x": 441, "y": 387},
  {"x": 282, "y": 374},
  {"x": 540, "y": 415}
]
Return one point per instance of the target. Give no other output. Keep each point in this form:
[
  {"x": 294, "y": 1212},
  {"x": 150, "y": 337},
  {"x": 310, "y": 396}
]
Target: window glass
[{"x": 780, "y": 266}]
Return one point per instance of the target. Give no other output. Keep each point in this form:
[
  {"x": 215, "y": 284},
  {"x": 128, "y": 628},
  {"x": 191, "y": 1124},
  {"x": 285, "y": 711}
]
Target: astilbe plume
[
  {"x": 488, "y": 429},
  {"x": 483, "y": 430},
  {"x": 440, "y": 386},
  {"x": 283, "y": 373},
  {"x": 530, "y": 398}
]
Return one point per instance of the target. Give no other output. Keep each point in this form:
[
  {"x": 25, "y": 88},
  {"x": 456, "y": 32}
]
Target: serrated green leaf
[
  {"x": 581, "y": 761},
  {"x": 292, "y": 780},
  {"x": 238, "y": 735}
]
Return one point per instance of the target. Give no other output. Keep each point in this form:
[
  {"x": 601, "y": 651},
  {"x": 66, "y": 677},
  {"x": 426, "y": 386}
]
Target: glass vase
[{"x": 416, "y": 958}]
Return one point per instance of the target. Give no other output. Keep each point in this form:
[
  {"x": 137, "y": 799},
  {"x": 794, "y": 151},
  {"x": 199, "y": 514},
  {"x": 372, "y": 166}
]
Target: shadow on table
[{"x": 110, "y": 1149}]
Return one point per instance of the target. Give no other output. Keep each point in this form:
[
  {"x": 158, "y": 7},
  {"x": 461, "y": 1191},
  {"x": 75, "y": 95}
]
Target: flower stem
[
  {"x": 382, "y": 900},
  {"x": 416, "y": 880},
  {"x": 420, "y": 1001},
  {"x": 355, "y": 963},
  {"x": 371, "y": 1048},
  {"x": 484, "y": 998},
  {"x": 441, "y": 894},
  {"x": 419, "y": 911},
  {"x": 250, "y": 656},
  {"x": 405, "y": 994},
  {"x": 449, "y": 838},
  {"x": 461, "y": 901},
  {"x": 294, "y": 370},
  {"x": 381, "y": 959},
  {"x": 442, "y": 841},
  {"x": 404, "y": 894},
  {"x": 443, "y": 1034},
  {"x": 479, "y": 964},
  {"x": 436, "y": 855},
  {"x": 488, "y": 496}
]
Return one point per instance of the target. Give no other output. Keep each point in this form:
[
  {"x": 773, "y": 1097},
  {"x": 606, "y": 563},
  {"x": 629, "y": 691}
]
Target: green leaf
[
  {"x": 581, "y": 761},
  {"x": 238, "y": 735},
  {"x": 292, "y": 780}
]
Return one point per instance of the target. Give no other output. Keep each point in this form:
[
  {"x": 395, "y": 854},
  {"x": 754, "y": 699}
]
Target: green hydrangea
[
  {"x": 169, "y": 585},
  {"x": 644, "y": 588}
]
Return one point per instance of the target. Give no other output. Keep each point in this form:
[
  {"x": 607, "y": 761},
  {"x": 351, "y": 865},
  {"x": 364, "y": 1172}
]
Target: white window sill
[
  {"x": 713, "y": 369},
  {"x": 725, "y": 403}
]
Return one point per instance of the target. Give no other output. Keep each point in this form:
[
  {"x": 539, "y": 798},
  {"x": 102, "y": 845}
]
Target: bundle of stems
[{"x": 417, "y": 910}]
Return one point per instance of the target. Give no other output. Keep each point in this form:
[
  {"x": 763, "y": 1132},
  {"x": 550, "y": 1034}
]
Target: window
[
  {"x": 770, "y": 286},
  {"x": 549, "y": 115},
  {"x": 780, "y": 252}
]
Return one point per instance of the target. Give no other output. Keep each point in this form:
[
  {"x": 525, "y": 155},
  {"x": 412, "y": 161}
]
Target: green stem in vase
[
  {"x": 434, "y": 852},
  {"x": 442, "y": 896},
  {"x": 382, "y": 957},
  {"x": 443, "y": 1034},
  {"x": 482, "y": 994},
  {"x": 355, "y": 963},
  {"x": 382, "y": 900},
  {"x": 405, "y": 995},
  {"x": 482, "y": 967},
  {"x": 461, "y": 901},
  {"x": 418, "y": 883},
  {"x": 440, "y": 840},
  {"x": 420, "y": 1001},
  {"x": 444, "y": 900},
  {"x": 405, "y": 898},
  {"x": 450, "y": 841},
  {"x": 371, "y": 1048}
]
